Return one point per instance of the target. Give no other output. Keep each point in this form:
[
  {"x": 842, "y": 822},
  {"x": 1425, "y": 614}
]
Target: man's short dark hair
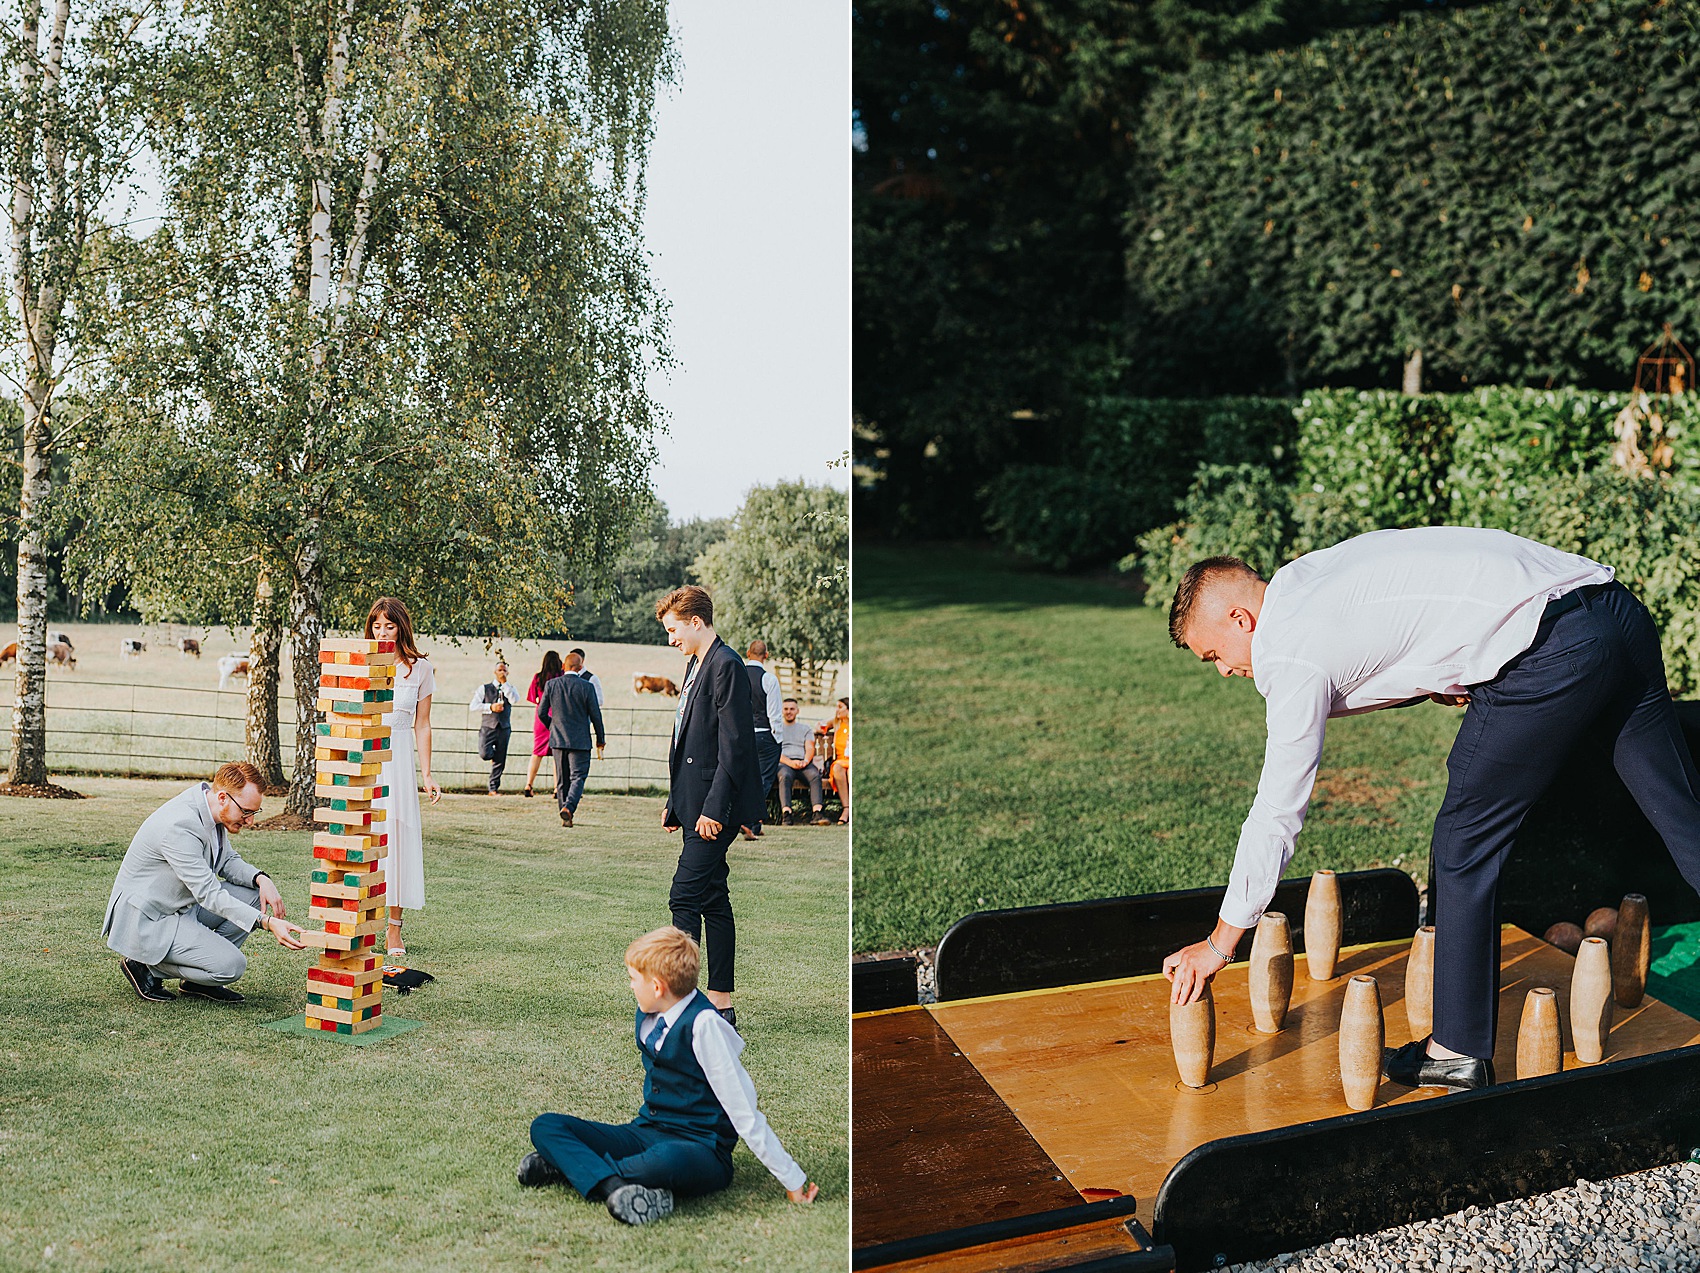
[
  {"x": 689, "y": 602},
  {"x": 578, "y": 650},
  {"x": 784, "y": 701},
  {"x": 1199, "y": 577}
]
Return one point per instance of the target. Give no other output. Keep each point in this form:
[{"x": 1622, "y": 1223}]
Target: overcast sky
[{"x": 749, "y": 224}]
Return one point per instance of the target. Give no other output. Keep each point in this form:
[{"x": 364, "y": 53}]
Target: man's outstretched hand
[
  {"x": 805, "y": 1194},
  {"x": 1190, "y": 969},
  {"x": 285, "y": 932}
]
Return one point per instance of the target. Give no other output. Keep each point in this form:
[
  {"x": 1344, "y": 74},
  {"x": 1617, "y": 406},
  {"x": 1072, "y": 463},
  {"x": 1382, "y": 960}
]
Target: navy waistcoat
[{"x": 676, "y": 1094}]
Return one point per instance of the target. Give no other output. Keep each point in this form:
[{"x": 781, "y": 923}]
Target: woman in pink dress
[{"x": 539, "y": 731}]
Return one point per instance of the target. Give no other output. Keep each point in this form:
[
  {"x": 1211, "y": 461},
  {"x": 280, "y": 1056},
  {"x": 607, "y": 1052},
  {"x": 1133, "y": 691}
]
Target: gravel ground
[{"x": 1647, "y": 1221}]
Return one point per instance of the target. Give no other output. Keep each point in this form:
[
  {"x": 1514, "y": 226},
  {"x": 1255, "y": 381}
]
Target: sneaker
[
  {"x": 142, "y": 980},
  {"x": 535, "y": 1170},
  {"x": 785, "y": 817},
  {"x": 218, "y": 994},
  {"x": 820, "y": 819},
  {"x": 639, "y": 1204}
]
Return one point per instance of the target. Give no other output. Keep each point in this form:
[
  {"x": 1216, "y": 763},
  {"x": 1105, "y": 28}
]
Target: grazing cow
[
  {"x": 130, "y": 648},
  {"x": 654, "y": 685},
  {"x": 59, "y": 638},
  {"x": 230, "y": 667},
  {"x": 187, "y": 646},
  {"x": 57, "y": 652}
]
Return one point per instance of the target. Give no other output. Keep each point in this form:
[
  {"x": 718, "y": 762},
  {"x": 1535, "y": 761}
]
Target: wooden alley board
[{"x": 1089, "y": 1073}]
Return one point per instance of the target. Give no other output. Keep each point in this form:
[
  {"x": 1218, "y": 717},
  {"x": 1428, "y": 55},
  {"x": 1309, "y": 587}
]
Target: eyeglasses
[{"x": 247, "y": 813}]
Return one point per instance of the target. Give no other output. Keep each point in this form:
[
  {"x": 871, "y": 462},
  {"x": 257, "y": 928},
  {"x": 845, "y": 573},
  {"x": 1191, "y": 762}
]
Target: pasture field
[
  {"x": 164, "y": 713},
  {"x": 1027, "y": 738},
  {"x": 145, "y": 1136}
]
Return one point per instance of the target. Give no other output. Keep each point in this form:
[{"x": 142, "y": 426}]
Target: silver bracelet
[{"x": 1227, "y": 959}]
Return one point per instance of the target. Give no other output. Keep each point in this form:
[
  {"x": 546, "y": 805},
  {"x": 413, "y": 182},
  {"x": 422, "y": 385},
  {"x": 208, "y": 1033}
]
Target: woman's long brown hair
[{"x": 395, "y": 610}]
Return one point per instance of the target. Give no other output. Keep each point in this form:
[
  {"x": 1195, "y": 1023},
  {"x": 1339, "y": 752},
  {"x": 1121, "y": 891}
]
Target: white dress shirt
[
  {"x": 482, "y": 708},
  {"x": 775, "y": 708},
  {"x": 717, "y": 1048},
  {"x": 1376, "y": 621},
  {"x": 595, "y": 684}
]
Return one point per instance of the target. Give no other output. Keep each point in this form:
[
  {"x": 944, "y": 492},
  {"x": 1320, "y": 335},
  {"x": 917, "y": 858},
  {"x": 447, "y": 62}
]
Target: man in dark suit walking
[
  {"x": 568, "y": 708},
  {"x": 715, "y": 784}
]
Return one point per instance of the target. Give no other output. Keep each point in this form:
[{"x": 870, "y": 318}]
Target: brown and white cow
[
  {"x": 60, "y": 652},
  {"x": 230, "y": 666},
  {"x": 187, "y": 646},
  {"x": 654, "y": 685}
]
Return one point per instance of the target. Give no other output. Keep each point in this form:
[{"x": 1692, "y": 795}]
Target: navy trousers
[
  {"x": 701, "y": 896},
  {"x": 587, "y": 1153},
  {"x": 572, "y": 769},
  {"x": 1595, "y": 670},
  {"x": 767, "y": 760}
]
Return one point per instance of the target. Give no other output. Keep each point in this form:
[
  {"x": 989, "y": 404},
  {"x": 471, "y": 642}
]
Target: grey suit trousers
[{"x": 208, "y": 947}]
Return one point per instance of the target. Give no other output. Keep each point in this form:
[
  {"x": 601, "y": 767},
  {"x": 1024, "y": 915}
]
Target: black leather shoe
[
  {"x": 218, "y": 994},
  {"x": 145, "y": 984},
  {"x": 1412, "y": 1066},
  {"x": 730, "y": 1013},
  {"x": 639, "y": 1204},
  {"x": 535, "y": 1170}
]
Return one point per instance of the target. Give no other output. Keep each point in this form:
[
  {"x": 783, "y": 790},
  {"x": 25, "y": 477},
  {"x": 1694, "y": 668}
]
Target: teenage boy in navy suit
[
  {"x": 715, "y": 781},
  {"x": 697, "y": 1101}
]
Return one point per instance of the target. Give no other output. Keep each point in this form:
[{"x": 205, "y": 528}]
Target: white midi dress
[{"x": 404, "y": 869}]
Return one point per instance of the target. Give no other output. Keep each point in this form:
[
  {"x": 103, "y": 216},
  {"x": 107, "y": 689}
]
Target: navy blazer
[
  {"x": 568, "y": 707},
  {"x": 712, "y": 764}
]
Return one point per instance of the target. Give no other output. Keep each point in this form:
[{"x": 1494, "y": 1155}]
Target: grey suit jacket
[
  {"x": 568, "y": 708},
  {"x": 173, "y": 865}
]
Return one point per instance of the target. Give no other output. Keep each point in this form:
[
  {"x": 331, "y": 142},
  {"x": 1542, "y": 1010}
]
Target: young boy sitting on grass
[{"x": 697, "y": 1101}]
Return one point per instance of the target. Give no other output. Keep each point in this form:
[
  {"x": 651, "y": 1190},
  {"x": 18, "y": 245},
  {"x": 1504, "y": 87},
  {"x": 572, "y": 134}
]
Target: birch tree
[
  {"x": 411, "y": 319},
  {"x": 71, "y": 134}
]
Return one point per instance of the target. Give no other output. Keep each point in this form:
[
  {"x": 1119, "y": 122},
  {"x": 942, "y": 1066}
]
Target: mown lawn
[
  {"x": 183, "y": 1135},
  {"x": 1026, "y": 738}
]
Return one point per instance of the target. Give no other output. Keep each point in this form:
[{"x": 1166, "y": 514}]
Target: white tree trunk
[
  {"x": 265, "y": 648},
  {"x": 306, "y": 623}
]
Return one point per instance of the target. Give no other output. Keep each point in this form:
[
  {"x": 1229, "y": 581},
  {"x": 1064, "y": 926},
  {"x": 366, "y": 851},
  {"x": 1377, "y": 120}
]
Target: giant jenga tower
[{"x": 356, "y": 686}]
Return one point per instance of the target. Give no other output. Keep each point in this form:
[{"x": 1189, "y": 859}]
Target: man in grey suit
[
  {"x": 185, "y": 901},
  {"x": 569, "y": 709}
]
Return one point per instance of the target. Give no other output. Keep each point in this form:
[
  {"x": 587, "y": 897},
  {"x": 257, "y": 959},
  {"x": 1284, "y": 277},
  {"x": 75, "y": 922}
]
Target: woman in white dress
[{"x": 409, "y": 719}]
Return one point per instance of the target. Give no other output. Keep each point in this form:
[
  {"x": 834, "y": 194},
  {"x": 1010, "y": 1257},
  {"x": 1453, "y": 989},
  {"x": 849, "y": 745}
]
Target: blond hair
[
  {"x": 237, "y": 777},
  {"x": 668, "y": 954}
]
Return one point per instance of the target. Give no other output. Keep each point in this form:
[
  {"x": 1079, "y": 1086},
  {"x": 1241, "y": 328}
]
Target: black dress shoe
[
  {"x": 1412, "y": 1066},
  {"x": 730, "y": 1013},
  {"x": 146, "y": 985},
  {"x": 639, "y": 1204},
  {"x": 535, "y": 1170},
  {"x": 218, "y": 994}
]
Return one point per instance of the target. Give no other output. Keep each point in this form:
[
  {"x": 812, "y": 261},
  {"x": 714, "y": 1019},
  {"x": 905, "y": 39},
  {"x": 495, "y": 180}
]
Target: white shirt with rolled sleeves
[
  {"x": 717, "y": 1047},
  {"x": 1374, "y": 622}
]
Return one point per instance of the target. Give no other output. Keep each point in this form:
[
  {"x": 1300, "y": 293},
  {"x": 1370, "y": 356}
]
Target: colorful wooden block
[
  {"x": 345, "y": 1000},
  {"x": 349, "y": 817},
  {"x": 349, "y": 918},
  {"x": 337, "y": 707},
  {"x": 332, "y": 981},
  {"x": 350, "y": 961},
  {"x": 343, "y": 1027},
  {"x": 324, "y": 1013},
  {"x": 363, "y": 729},
  {"x": 349, "y": 848},
  {"x": 347, "y": 768},
  {"x": 351, "y": 875},
  {"x": 356, "y": 645}
]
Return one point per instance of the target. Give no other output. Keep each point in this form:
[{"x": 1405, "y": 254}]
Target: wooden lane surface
[
  {"x": 935, "y": 1147},
  {"x": 1089, "y": 1071},
  {"x": 1059, "y": 1249}
]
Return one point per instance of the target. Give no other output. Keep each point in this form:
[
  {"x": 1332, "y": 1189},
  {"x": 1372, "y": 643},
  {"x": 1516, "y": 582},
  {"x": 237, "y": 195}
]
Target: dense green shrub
[
  {"x": 1509, "y": 187},
  {"x": 1648, "y": 531},
  {"x": 1385, "y": 453},
  {"x": 1510, "y": 441},
  {"x": 1059, "y": 517},
  {"x": 1239, "y": 510}
]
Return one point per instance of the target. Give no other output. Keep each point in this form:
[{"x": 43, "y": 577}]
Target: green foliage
[
  {"x": 1385, "y": 453},
  {"x": 1058, "y": 517},
  {"x": 989, "y": 183},
  {"x": 1235, "y": 510},
  {"x": 1507, "y": 187},
  {"x": 1510, "y": 442},
  {"x": 1648, "y": 531},
  {"x": 778, "y": 575},
  {"x": 661, "y": 555}
]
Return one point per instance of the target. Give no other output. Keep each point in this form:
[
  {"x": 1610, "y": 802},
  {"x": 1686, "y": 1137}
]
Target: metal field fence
[{"x": 119, "y": 728}]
